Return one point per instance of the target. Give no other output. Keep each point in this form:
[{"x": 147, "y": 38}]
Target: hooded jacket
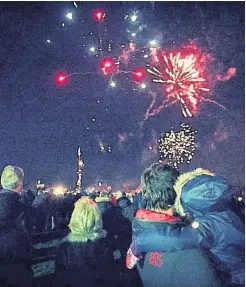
[
  {"x": 185, "y": 268},
  {"x": 206, "y": 198}
]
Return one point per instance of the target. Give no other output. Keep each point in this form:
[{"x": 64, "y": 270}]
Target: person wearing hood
[
  {"x": 15, "y": 266},
  {"x": 203, "y": 202}
]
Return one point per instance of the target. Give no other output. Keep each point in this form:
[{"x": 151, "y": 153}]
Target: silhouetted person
[{"x": 15, "y": 265}]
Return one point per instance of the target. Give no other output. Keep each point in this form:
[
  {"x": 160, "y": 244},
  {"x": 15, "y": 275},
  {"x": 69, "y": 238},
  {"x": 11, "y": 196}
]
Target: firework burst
[
  {"x": 183, "y": 74},
  {"x": 178, "y": 147}
]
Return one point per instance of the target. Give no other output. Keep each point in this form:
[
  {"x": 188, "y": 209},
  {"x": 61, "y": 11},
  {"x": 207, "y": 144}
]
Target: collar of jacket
[{"x": 149, "y": 215}]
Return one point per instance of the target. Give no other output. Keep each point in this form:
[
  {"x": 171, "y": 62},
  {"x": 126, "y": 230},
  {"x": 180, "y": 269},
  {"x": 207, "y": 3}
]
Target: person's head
[
  {"x": 12, "y": 178},
  {"x": 157, "y": 186},
  {"x": 86, "y": 221}
]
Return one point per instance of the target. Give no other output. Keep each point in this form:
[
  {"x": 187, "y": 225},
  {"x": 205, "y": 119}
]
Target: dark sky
[{"x": 42, "y": 124}]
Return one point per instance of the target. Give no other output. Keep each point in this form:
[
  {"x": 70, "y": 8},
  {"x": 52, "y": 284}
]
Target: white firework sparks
[{"x": 178, "y": 147}]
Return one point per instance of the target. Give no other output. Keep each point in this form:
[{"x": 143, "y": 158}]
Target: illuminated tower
[{"x": 79, "y": 172}]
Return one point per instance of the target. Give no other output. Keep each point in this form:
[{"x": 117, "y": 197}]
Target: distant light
[
  {"x": 93, "y": 119},
  {"x": 133, "y": 34},
  {"x": 87, "y": 128},
  {"x": 240, "y": 198},
  {"x": 143, "y": 86},
  {"x": 134, "y": 18},
  {"x": 153, "y": 43},
  {"x": 63, "y": 24},
  {"x": 112, "y": 84},
  {"x": 69, "y": 15},
  {"x": 75, "y": 4},
  {"x": 150, "y": 147},
  {"x": 146, "y": 56},
  {"x": 48, "y": 41},
  {"x": 59, "y": 190},
  {"x": 126, "y": 17},
  {"x": 92, "y": 49}
]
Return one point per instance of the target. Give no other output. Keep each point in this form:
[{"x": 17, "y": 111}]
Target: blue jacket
[
  {"x": 206, "y": 197},
  {"x": 173, "y": 269}
]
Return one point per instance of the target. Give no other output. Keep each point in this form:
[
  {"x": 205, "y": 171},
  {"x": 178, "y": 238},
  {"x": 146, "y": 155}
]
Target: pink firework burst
[{"x": 183, "y": 74}]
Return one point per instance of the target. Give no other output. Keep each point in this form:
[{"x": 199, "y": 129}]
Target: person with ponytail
[{"x": 85, "y": 257}]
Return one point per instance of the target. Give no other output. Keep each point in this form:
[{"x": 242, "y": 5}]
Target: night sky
[{"x": 42, "y": 124}]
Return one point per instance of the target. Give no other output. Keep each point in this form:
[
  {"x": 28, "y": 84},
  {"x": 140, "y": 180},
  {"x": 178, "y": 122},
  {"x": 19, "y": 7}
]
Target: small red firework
[
  {"x": 138, "y": 74},
  {"x": 61, "y": 79},
  {"x": 99, "y": 15},
  {"x": 183, "y": 73},
  {"x": 108, "y": 66}
]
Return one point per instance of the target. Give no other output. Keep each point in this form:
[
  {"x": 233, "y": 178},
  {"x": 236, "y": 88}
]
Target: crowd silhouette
[{"x": 179, "y": 230}]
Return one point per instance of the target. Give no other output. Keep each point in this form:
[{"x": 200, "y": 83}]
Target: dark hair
[{"x": 157, "y": 186}]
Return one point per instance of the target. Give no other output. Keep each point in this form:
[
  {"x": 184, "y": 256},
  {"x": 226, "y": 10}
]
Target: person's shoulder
[
  {"x": 226, "y": 219},
  {"x": 9, "y": 193}
]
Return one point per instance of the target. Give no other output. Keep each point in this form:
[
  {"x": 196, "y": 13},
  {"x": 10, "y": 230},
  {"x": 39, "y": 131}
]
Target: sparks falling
[
  {"x": 178, "y": 147},
  {"x": 183, "y": 75}
]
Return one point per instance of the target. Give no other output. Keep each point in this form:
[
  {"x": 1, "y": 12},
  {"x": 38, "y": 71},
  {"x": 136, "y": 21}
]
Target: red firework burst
[
  {"x": 108, "y": 66},
  {"x": 183, "y": 73},
  {"x": 99, "y": 15}
]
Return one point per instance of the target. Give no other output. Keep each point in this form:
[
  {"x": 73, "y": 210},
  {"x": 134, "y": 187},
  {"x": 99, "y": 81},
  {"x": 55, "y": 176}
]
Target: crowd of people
[{"x": 180, "y": 230}]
